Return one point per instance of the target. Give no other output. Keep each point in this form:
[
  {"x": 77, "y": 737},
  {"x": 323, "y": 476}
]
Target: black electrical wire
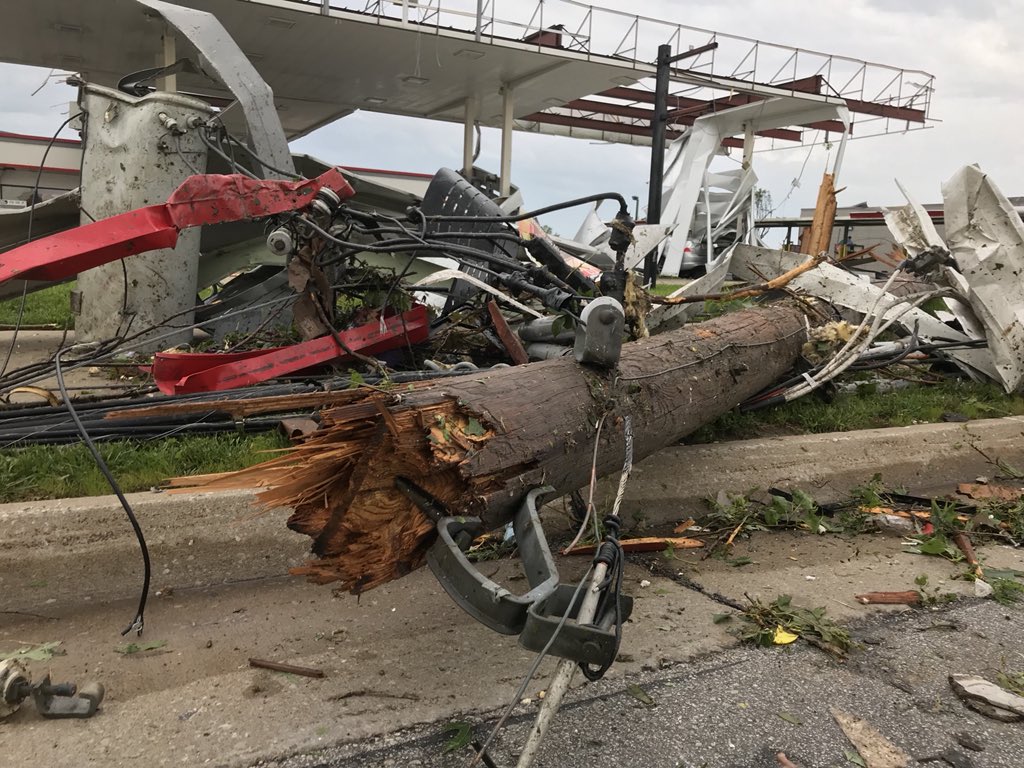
[
  {"x": 223, "y": 155},
  {"x": 623, "y": 209},
  {"x": 181, "y": 154},
  {"x": 139, "y": 620},
  {"x": 260, "y": 160},
  {"x": 111, "y": 347},
  {"x": 400, "y": 245},
  {"x": 517, "y": 697},
  {"x": 610, "y": 605},
  {"x": 449, "y": 235},
  {"x": 31, "y": 216}
]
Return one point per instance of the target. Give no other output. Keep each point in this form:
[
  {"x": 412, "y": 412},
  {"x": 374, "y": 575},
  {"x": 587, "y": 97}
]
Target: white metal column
[
  {"x": 468, "y": 136},
  {"x": 508, "y": 107}
]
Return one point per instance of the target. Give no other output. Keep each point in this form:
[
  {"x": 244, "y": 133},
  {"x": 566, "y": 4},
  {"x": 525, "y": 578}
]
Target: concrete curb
[{"x": 71, "y": 550}]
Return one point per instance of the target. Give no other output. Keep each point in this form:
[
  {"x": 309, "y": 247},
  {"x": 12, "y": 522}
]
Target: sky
[{"x": 970, "y": 47}]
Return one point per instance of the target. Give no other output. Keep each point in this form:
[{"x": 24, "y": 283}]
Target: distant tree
[
  {"x": 549, "y": 230},
  {"x": 762, "y": 203}
]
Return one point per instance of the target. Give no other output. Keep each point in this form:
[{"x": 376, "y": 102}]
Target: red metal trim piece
[
  {"x": 76, "y": 250},
  {"x": 204, "y": 199},
  {"x": 411, "y": 327},
  {"x": 168, "y": 367},
  {"x": 212, "y": 199}
]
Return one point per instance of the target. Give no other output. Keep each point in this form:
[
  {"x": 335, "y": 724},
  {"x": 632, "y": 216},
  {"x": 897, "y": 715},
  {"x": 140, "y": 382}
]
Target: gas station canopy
[{"x": 557, "y": 67}]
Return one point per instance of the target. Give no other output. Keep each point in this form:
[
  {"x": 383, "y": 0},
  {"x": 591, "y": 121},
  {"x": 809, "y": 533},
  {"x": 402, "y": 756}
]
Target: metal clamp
[
  {"x": 485, "y": 600},
  {"x": 585, "y": 643}
]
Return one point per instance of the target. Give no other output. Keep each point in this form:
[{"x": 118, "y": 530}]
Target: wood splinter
[{"x": 291, "y": 669}]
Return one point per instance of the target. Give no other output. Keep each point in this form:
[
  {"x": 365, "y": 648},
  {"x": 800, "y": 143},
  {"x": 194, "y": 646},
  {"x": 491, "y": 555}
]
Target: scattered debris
[
  {"x": 970, "y": 741},
  {"x": 645, "y": 544},
  {"x": 42, "y": 652},
  {"x": 911, "y": 597},
  {"x": 986, "y": 491},
  {"x": 641, "y": 695},
  {"x": 290, "y": 669},
  {"x": 780, "y": 622},
  {"x": 462, "y": 734},
  {"x": 988, "y": 698},
  {"x": 873, "y": 748},
  {"x": 129, "y": 649},
  {"x": 52, "y": 700}
]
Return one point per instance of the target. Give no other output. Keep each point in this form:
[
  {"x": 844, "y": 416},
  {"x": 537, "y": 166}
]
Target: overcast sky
[{"x": 970, "y": 46}]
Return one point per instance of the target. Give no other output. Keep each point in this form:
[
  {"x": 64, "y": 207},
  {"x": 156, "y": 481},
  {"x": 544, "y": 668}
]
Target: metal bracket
[
  {"x": 585, "y": 643},
  {"x": 536, "y": 615},
  {"x": 485, "y": 600}
]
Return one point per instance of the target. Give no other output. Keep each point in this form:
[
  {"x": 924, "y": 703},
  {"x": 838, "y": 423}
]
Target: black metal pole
[{"x": 658, "y": 123}]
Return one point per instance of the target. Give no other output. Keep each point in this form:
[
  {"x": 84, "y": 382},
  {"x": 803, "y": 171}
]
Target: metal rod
[
  {"x": 563, "y": 676},
  {"x": 658, "y": 125}
]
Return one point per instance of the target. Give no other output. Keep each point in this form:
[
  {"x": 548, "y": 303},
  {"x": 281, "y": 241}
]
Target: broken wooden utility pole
[
  {"x": 478, "y": 444},
  {"x": 817, "y": 239}
]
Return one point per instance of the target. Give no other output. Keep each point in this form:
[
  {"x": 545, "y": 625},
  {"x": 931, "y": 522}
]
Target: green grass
[
  {"x": 50, "y": 306},
  {"x": 53, "y": 472},
  {"x": 866, "y": 409},
  {"x": 665, "y": 287}
]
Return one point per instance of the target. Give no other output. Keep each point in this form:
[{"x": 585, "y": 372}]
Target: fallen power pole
[{"x": 477, "y": 445}]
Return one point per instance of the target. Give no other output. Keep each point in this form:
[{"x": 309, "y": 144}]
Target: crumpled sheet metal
[
  {"x": 839, "y": 287},
  {"x": 912, "y": 227},
  {"x": 986, "y": 238}
]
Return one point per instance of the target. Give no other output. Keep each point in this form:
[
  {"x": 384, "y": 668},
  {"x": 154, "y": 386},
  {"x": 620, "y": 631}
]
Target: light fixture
[
  {"x": 415, "y": 80},
  {"x": 254, "y": 57},
  {"x": 555, "y": 102},
  {"x": 277, "y": 21},
  {"x": 469, "y": 53},
  {"x": 72, "y": 28},
  {"x": 623, "y": 80},
  {"x": 376, "y": 100}
]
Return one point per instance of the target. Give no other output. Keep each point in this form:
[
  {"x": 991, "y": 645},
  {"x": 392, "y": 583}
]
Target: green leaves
[
  {"x": 764, "y": 620},
  {"x": 129, "y": 648},
  {"x": 462, "y": 734},
  {"x": 43, "y": 652}
]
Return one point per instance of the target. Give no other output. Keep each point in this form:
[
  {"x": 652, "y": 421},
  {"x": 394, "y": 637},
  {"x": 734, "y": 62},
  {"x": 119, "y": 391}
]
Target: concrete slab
[
  {"x": 405, "y": 654},
  {"x": 401, "y": 655}
]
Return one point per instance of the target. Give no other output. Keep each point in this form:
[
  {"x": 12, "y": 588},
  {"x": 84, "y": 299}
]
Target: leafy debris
[{"x": 763, "y": 621}]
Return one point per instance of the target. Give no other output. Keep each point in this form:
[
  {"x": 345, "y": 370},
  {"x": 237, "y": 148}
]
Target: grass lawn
[
  {"x": 54, "y": 472},
  {"x": 50, "y": 306},
  {"x": 865, "y": 409}
]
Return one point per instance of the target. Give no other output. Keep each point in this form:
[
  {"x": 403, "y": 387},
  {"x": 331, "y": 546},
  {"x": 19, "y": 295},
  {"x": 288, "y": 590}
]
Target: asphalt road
[{"x": 738, "y": 708}]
